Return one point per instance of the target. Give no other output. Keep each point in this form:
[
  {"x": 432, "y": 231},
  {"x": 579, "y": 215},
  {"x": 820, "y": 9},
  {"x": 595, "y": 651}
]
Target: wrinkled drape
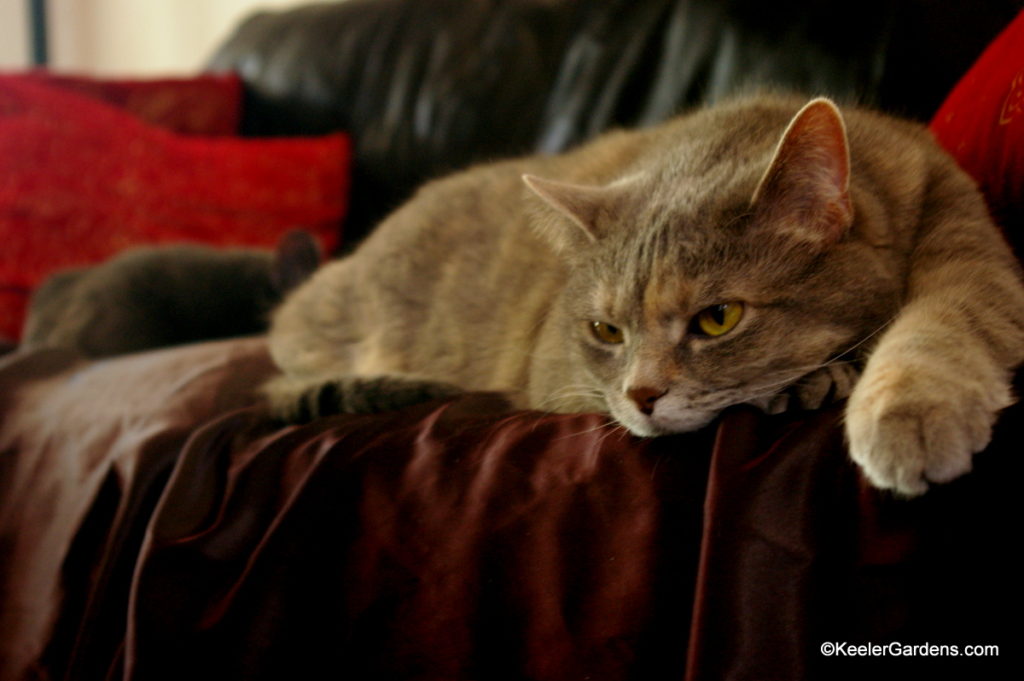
[{"x": 164, "y": 528}]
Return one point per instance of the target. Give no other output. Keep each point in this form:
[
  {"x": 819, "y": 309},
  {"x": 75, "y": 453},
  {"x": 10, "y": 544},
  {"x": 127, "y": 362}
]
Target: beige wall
[
  {"x": 140, "y": 37},
  {"x": 14, "y": 43}
]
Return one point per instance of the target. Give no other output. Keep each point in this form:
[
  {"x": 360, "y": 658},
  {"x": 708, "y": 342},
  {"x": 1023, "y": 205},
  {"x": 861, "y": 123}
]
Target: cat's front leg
[
  {"x": 935, "y": 383},
  {"x": 299, "y": 400},
  {"x": 913, "y": 422}
]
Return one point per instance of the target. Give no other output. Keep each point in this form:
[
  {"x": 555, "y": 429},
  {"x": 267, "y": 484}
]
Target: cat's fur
[
  {"x": 153, "y": 297},
  {"x": 851, "y": 239}
]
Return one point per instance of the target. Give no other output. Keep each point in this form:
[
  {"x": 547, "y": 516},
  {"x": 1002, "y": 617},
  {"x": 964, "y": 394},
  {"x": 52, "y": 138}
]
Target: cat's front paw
[{"x": 908, "y": 427}]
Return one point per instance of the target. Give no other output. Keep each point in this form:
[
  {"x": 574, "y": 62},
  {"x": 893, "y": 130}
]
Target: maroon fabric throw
[{"x": 163, "y": 527}]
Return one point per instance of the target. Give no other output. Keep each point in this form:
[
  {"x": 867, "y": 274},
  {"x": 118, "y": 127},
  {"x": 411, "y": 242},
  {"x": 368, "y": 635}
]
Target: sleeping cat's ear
[
  {"x": 580, "y": 203},
  {"x": 805, "y": 193},
  {"x": 296, "y": 257}
]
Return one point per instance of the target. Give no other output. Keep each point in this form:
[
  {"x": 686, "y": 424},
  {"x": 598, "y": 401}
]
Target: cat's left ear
[{"x": 805, "y": 193}]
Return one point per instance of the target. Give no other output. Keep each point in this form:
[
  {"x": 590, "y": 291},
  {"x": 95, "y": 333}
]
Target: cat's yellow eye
[
  {"x": 606, "y": 333},
  {"x": 718, "y": 320}
]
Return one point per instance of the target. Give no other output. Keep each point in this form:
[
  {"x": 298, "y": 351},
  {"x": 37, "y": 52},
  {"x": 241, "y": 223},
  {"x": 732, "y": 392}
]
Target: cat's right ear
[
  {"x": 805, "y": 192},
  {"x": 582, "y": 204}
]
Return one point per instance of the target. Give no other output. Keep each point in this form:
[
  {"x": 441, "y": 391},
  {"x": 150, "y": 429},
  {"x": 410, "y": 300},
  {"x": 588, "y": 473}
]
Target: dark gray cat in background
[{"x": 160, "y": 296}]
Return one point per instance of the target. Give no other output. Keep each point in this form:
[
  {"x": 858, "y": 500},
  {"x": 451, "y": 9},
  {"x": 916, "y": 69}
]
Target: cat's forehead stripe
[
  {"x": 602, "y": 301},
  {"x": 665, "y": 298}
]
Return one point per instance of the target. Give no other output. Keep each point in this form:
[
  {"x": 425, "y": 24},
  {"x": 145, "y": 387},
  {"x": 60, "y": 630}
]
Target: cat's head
[{"x": 695, "y": 286}]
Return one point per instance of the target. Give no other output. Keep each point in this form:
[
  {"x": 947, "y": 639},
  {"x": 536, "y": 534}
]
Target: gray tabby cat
[
  {"x": 754, "y": 252},
  {"x": 158, "y": 296}
]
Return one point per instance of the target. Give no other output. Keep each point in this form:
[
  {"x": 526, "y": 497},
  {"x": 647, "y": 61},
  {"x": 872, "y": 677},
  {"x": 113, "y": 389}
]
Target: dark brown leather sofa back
[{"x": 426, "y": 87}]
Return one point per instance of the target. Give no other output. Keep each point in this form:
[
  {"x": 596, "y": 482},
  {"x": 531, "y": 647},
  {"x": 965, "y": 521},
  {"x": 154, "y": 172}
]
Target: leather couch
[{"x": 429, "y": 87}]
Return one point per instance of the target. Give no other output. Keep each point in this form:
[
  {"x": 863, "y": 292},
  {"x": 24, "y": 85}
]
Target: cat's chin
[{"x": 657, "y": 425}]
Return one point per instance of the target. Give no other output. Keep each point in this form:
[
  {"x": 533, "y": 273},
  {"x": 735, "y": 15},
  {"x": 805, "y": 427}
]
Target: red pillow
[
  {"x": 81, "y": 180},
  {"x": 982, "y": 124}
]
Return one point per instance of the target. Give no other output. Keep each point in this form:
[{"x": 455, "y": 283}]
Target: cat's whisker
[
  {"x": 793, "y": 376},
  {"x": 609, "y": 426},
  {"x": 567, "y": 393},
  {"x": 586, "y": 431},
  {"x": 614, "y": 428},
  {"x": 838, "y": 357}
]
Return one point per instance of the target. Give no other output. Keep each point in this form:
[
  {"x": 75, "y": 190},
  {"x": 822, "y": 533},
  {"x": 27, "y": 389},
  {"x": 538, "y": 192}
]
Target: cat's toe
[{"x": 828, "y": 384}]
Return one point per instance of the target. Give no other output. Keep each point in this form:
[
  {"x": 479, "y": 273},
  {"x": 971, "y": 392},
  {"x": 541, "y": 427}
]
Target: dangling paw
[{"x": 910, "y": 426}]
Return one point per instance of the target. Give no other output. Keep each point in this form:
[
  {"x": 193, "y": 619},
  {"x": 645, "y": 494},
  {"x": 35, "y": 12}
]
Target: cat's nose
[{"x": 645, "y": 397}]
